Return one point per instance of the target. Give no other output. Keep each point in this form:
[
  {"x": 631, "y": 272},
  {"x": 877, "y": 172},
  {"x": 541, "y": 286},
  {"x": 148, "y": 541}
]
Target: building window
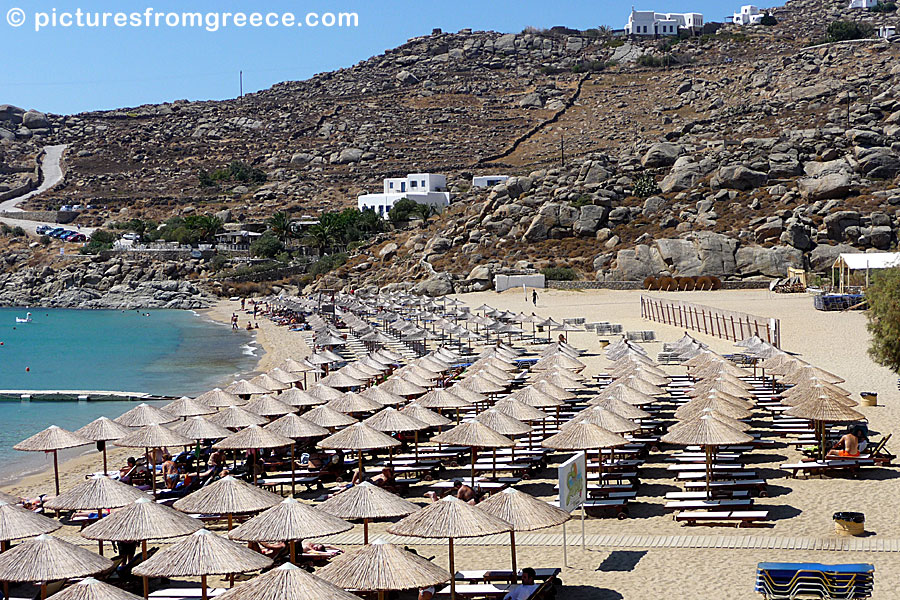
[
  {"x": 412, "y": 184},
  {"x": 391, "y": 185},
  {"x": 423, "y": 183}
]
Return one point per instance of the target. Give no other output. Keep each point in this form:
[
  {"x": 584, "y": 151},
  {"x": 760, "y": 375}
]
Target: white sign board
[{"x": 572, "y": 483}]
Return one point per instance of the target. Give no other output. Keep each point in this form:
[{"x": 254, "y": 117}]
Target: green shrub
[
  {"x": 615, "y": 43},
  {"x": 645, "y": 185},
  {"x": 100, "y": 240},
  {"x": 218, "y": 262},
  {"x": 840, "y": 31},
  {"x": 583, "y": 200},
  {"x": 45, "y": 240},
  {"x": 768, "y": 20},
  {"x": 236, "y": 171},
  {"x": 18, "y": 231},
  {"x": 884, "y": 318},
  {"x": 559, "y": 273},
  {"x": 266, "y": 246},
  {"x": 5, "y": 229},
  {"x": 884, "y": 7},
  {"x": 326, "y": 264},
  {"x": 648, "y": 60}
]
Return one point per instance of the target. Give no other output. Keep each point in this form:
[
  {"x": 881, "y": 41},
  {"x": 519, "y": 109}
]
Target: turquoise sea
[{"x": 163, "y": 352}]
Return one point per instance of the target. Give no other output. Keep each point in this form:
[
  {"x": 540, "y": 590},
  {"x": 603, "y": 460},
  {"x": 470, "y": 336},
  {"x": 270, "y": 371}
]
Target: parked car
[
  {"x": 67, "y": 235},
  {"x": 134, "y": 237},
  {"x": 77, "y": 238},
  {"x": 55, "y": 232},
  {"x": 43, "y": 229}
]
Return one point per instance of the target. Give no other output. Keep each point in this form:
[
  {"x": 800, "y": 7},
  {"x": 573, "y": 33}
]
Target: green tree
[
  {"x": 884, "y": 318},
  {"x": 203, "y": 227},
  {"x": 266, "y": 246},
  {"x": 768, "y": 20},
  {"x": 321, "y": 237},
  {"x": 424, "y": 211},
  {"x": 280, "y": 225},
  {"x": 402, "y": 210},
  {"x": 840, "y": 31}
]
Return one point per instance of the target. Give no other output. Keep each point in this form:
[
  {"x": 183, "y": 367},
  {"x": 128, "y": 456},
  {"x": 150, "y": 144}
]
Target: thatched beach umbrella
[
  {"x": 144, "y": 414},
  {"x": 325, "y": 392},
  {"x": 358, "y": 437},
  {"x": 706, "y": 431},
  {"x": 52, "y": 440},
  {"x": 327, "y": 417},
  {"x": 294, "y": 427},
  {"x": 604, "y": 418},
  {"x": 620, "y": 407},
  {"x": 187, "y": 407},
  {"x": 367, "y": 501},
  {"x": 92, "y": 589},
  {"x": 253, "y": 438},
  {"x": 17, "y": 522},
  {"x": 219, "y": 398},
  {"x": 585, "y": 436},
  {"x": 202, "y": 554},
  {"x": 390, "y": 419},
  {"x": 712, "y": 402},
  {"x": 504, "y": 425},
  {"x": 382, "y": 396},
  {"x": 200, "y": 428},
  {"x": 286, "y": 582},
  {"x": 341, "y": 381},
  {"x": 227, "y": 496},
  {"x": 289, "y": 521},
  {"x": 450, "y": 518},
  {"x": 270, "y": 383},
  {"x": 103, "y": 430},
  {"x": 269, "y": 406},
  {"x": 350, "y": 403},
  {"x": 443, "y": 399},
  {"x": 402, "y": 387},
  {"x": 625, "y": 393},
  {"x": 284, "y": 376},
  {"x": 153, "y": 436},
  {"x": 244, "y": 389},
  {"x": 300, "y": 398},
  {"x": 474, "y": 435},
  {"x": 46, "y": 558},
  {"x": 524, "y": 513},
  {"x": 823, "y": 409},
  {"x": 9, "y": 498},
  {"x": 421, "y": 413},
  {"x": 235, "y": 417},
  {"x": 140, "y": 521},
  {"x": 381, "y": 568},
  {"x": 557, "y": 393}
]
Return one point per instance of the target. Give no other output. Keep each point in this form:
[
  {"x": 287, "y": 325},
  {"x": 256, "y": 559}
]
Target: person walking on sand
[{"x": 534, "y": 297}]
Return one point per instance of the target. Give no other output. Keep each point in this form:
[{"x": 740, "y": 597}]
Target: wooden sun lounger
[
  {"x": 717, "y": 475},
  {"x": 736, "y": 517},
  {"x": 823, "y": 467},
  {"x": 503, "y": 575},
  {"x": 476, "y": 590},
  {"x": 186, "y": 592},
  {"x": 702, "y": 495},
  {"x": 687, "y": 468},
  {"x": 757, "y": 485},
  {"x": 714, "y": 504},
  {"x": 596, "y": 506}
]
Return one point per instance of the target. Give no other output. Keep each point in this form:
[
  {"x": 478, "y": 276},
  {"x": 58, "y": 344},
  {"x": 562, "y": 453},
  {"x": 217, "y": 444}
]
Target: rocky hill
[{"x": 749, "y": 152}]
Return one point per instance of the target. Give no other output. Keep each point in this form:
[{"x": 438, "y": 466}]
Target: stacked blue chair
[{"x": 777, "y": 581}]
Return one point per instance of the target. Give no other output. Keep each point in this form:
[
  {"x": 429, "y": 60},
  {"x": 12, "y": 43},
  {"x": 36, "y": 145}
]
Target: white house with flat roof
[
  {"x": 865, "y": 4},
  {"x": 749, "y": 15},
  {"x": 886, "y": 31},
  {"x": 652, "y": 23},
  {"x": 421, "y": 188},
  {"x": 483, "y": 181}
]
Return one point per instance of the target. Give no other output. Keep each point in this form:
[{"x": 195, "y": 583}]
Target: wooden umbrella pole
[
  {"x": 494, "y": 465},
  {"x": 43, "y": 590},
  {"x": 293, "y": 546},
  {"x": 203, "y": 592},
  {"x": 152, "y": 468},
  {"x": 512, "y": 546},
  {"x": 293, "y": 475},
  {"x": 56, "y": 471},
  {"x": 253, "y": 460},
  {"x": 361, "y": 474},
  {"x": 366, "y": 531},
  {"x": 708, "y": 471},
  {"x": 473, "y": 468},
  {"x": 452, "y": 574},
  {"x": 100, "y": 516},
  {"x": 105, "y": 470},
  {"x": 144, "y": 579},
  {"x": 416, "y": 438},
  {"x": 230, "y": 521}
]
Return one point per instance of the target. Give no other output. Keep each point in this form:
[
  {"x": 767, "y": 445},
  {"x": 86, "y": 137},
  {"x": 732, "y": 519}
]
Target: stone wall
[
  {"x": 637, "y": 285},
  {"x": 47, "y": 216}
]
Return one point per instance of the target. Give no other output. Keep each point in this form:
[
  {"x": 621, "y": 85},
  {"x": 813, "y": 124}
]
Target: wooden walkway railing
[{"x": 720, "y": 323}]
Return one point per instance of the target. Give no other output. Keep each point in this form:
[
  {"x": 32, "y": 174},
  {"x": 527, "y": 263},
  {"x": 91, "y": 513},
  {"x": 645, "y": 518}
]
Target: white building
[
  {"x": 483, "y": 181},
  {"x": 421, "y": 188},
  {"x": 749, "y": 15},
  {"x": 886, "y": 31},
  {"x": 651, "y": 23},
  {"x": 866, "y": 4}
]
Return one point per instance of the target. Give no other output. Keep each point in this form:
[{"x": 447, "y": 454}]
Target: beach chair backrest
[{"x": 881, "y": 444}]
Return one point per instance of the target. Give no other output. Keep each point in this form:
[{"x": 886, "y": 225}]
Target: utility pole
[{"x": 241, "y": 75}]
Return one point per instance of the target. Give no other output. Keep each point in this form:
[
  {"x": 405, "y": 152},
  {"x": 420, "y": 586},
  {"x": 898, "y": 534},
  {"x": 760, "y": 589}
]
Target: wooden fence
[{"x": 720, "y": 323}]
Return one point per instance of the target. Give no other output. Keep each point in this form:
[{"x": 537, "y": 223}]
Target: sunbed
[{"x": 736, "y": 517}]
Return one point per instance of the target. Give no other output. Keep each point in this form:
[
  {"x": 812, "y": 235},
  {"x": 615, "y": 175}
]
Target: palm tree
[
  {"x": 424, "y": 211},
  {"x": 321, "y": 237},
  {"x": 206, "y": 226},
  {"x": 280, "y": 224}
]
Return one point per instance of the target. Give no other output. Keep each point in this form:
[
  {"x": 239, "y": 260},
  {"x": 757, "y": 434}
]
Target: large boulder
[
  {"x": 783, "y": 166},
  {"x": 716, "y": 252},
  {"x": 349, "y": 155},
  {"x": 680, "y": 178},
  {"x": 825, "y": 187},
  {"x": 35, "y": 120},
  {"x": 638, "y": 263},
  {"x": 11, "y": 114},
  {"x": 769, "y": 262},
  {"x": 661, "y": 155},
  {"x": 531, "y": 100},
  {"x": 822, "y": 257},
  {"x": 881, "y": 164},
  {"x": 590, "y": 219},
  {"x": 680, "y": 256},
  {"x": 439, "y": 285},
  {"x": 838, "y": 222},
  {"x": 738, "y": 177}
]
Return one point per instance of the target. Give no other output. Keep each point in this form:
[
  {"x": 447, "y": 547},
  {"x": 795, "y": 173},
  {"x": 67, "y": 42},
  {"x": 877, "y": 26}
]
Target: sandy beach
[{"x": 710, "y": 562}]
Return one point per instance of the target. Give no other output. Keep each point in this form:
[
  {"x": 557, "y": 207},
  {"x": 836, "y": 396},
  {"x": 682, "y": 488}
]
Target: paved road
[{"x": 51, "y": 167}]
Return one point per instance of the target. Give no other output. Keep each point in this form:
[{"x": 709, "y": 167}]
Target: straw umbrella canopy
[
  {"x": 524, "y": 513},
  {"x": 533, "y": 396},
  {"x": 642, "y": 385},
  {"x": 382, "y": 567},
  {"x": 382, "y": 396},
  {"x": 103, "y": 430},
  {"x": 706, "y": 431},
  {"x": 390, "y": 419},
  {"x": 219, "y": 398},
  {"x": 431, "y": 418},
  {"x": 467, "y": 394},
  {"x": 402, "y": 387},
  {"x": 52, "y": 440},
  {"x": 227, "y": 496},
  {"x": 187, "y": 407},
  {"x": 417, "y": 379},
  {"x": 153, "y": 436},
  {"x": 201, "y": 554},
  {"x": 294, "y": 427},
  {"x": 442, "y": 398},
  {"x": 235, "y": 417},
  {"x": 245, "y": 389},
  {"x": 17, "y": 522},
  {"x": 289, "y": 521},
  {"x": 585, "y": 436},
  {"x": 283, "y": 376},
  {"x": 253, "y": 438},
  {"x": 327, "y": 417},
  {"x": 825, "y": 408},
  {"x": 92, "y": 589},
  {"x": 810, "y": 372},
  {"x": 620, "y": 407},
  {"x": 367, "y": 501},
  {"x": 46, "y": 558},
  {"x": 549, "y": 389},
  {"x": 295, "y": 366},
  {"x": 287, "y": 582},
  {"x": 519, "y": 410},
  {"x": 325, "y": 392},
  {"x": 605, "y": 418},
  {"x": 341, "y": 380},
  {"x": 482, "y": 384},
  {"x": 269, "y": 406},
  {"x": 270, "y": 383},
  {"x": 450, "y": 518},
  {"x": 359, "y": 437},
  {"x": 144, "y": 414},
  {"x": 625, "y": 393},
  {"x": 350, "y": 403},
  {"x": 300, "y": 398},
  {"x": 94, "y": 494},
  {"x": 719, "y": 385},
  {"x": 504, "y": 425},
  {"x": 711, "y": 402},
  {"x": 200, "y": 428},
  {"x": 559, "y": 360},
  {"x": 474, "y": 435},
  {"x": 733, "y": 423},
  {"x": 140, "y": 521},
  {"x": 9, "y": 498}
]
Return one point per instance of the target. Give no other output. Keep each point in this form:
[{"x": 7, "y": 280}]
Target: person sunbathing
[
  {"x": 170, "y": 472},
  {"x": 459, "y": 489},
  {"x": 267, "y": 548},
  {"x": 319, "y": 548},
  {"x": 847, "y": 446},
  {"x": 524, "y": 590},
  {"x": 387, "y": 480}
]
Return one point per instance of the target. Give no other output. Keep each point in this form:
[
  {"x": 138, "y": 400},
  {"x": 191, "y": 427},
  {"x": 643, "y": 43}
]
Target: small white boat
[{"x": 27, "y": 319}]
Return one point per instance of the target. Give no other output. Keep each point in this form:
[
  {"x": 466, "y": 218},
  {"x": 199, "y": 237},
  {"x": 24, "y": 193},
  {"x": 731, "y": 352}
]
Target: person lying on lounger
[
  {"x": 847, "y": 446},
  {"x": 525, "y": 589}
]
